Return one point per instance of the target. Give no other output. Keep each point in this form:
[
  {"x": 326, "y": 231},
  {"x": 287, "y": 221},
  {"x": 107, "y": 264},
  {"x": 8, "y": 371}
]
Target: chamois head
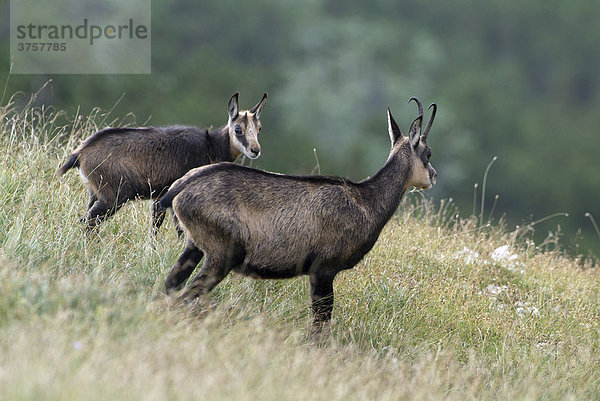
[
  {"x": 415, "y": 147},
  {"x": 244, "y": 126}
]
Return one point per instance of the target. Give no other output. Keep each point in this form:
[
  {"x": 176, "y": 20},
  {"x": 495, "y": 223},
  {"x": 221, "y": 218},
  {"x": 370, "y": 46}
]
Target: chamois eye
[
  {"x": 426, "y": 158},
  {"x": 238, "y": 130}
]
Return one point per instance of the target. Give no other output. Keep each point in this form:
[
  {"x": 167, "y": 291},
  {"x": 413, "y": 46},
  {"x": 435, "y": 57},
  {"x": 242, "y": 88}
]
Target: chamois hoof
[
  {"x": 319, "y": 333},
  {"x": 171, "y": 288},
  {"x": 190, "y": 299},
  {"x": 194, "y": 306}
]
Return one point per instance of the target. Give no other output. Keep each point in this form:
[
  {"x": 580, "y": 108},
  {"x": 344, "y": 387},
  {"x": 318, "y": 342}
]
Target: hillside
[{"x": 441, "y": 308}]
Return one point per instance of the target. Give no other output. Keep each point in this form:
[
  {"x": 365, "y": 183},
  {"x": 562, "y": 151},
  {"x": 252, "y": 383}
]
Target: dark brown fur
[
  {"x": 122, "y": 164},
  {"x": 270, "y": 225}
]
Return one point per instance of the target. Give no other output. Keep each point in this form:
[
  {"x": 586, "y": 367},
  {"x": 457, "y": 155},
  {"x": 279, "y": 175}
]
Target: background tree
[{"x": 513, "y": 80}]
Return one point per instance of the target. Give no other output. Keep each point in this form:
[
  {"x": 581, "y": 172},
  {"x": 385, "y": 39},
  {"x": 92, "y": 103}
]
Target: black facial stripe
[
  {"x": 424, "y": 157},
  {"x": 243, "y": 141}
]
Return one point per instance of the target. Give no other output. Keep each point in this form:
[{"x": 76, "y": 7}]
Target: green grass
[{"x": 430, "y": 313}]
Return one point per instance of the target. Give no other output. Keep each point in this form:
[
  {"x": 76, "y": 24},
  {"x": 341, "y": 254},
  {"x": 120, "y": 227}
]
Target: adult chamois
[
  {"x": 122, "y": 164},
  {"x": 268, "y": 225}
]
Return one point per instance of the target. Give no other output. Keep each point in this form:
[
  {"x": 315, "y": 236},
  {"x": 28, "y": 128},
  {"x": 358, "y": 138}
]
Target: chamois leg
[
  {"x": 93, "y": 199},
  {"x": 212, "y": 273},
  {"x": 158, "y": 216},
  {"x": 180, "y": 232},
  {"x": 321, "y": 294},
  {"x": 183, "y": 268},
  {"x": 98, "y": 213}
]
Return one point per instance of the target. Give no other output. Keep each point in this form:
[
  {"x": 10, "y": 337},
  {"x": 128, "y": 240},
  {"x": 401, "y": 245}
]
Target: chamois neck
[
  {"x": 385, "y": 189},
  {"x": 220, "y": 149}
]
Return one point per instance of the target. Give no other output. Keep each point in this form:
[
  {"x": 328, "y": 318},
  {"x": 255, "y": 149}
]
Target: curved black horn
[
  {"x": 430, "y": 122},
  {"x": 419, "y": 104}
]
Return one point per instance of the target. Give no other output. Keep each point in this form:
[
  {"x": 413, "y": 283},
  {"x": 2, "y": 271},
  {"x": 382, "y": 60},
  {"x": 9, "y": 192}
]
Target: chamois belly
[
  {"x": 264, "y": 272},
  {"x": 278, "y": 269}
]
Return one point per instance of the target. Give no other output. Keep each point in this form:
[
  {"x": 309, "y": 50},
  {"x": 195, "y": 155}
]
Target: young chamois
[
  {"x": 122, "y": 164},
  {"x": 268, "y": 225}
]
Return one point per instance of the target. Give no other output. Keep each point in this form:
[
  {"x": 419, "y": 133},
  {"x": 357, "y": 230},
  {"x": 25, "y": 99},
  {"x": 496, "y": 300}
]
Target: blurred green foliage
[{"x": 517, "y": 80}]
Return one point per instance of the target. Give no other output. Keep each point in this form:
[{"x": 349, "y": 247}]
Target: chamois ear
[
  {"x": 232, "y": 108},
  {"x": 415, "y": 131},
  {"x": 393, "y": 129},
  {"x": 259, "y": 106}
]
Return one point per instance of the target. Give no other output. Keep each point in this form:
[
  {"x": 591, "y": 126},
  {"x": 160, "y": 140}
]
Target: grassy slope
[{"x": 430, "y": 313}]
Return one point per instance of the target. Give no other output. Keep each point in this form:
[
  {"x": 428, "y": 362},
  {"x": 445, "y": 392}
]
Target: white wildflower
[
  {"x": 524, "y": 309},
  {"x": 494, "y": 290},
  {"x": 502, "y": 254},
  {"x": 505, "y": 258},
  {"x": 467, "y": 255},
  {"x": 542, "y": 344}
]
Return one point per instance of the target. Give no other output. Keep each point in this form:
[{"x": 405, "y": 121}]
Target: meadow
[{"x": 443, "y": 307}]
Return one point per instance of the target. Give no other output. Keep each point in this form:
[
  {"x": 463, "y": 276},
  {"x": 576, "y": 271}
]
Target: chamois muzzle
[
  {"x": 432, "y": 176},
  {"x": 254, "y": 152}
]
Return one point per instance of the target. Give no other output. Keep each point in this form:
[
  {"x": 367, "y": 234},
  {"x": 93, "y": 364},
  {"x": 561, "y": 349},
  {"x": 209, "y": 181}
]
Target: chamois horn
[
  {"x": 419, "y": 104},
  {"x": 430, "y": 122}
]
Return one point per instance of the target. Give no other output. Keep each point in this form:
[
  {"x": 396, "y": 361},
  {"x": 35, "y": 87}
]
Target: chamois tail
[
  {"x": 72, "y": 162},
  {"x": 166, "y": 201}
]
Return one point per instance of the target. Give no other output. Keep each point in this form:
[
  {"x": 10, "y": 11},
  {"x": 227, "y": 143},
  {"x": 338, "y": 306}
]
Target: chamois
[
  {"x": 122, "y": 164},
  {"x": 268, "y": 225}
]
